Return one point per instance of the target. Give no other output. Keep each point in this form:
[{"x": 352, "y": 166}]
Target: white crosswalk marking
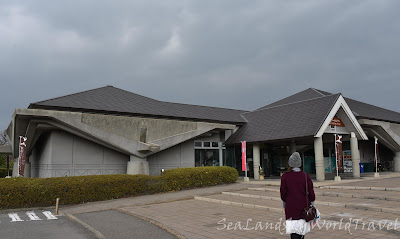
[
  {"x": 14, "y": 217},
  {"x": 33, "y": 216},
  {"x": 49, "y": 215}
]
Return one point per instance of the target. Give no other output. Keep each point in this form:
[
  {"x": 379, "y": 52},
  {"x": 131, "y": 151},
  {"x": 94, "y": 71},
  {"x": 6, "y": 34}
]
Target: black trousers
[{"x": 296, "y": 236}]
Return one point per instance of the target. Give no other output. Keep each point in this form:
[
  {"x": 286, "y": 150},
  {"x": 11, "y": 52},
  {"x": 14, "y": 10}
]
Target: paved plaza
[{"x": 354, "y": 208}]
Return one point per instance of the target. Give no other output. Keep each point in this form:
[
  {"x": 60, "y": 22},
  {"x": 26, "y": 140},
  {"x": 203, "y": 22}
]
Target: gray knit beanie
[{"x": 295, "y": 160}]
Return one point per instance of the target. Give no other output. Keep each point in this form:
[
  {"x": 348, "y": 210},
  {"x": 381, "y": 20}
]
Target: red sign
[
  {"x": 339, "y": 151},
  {"x": 337, "y": 122},
  {"x": 244, "y": 156},
  {"x": 22, "y": 155}
]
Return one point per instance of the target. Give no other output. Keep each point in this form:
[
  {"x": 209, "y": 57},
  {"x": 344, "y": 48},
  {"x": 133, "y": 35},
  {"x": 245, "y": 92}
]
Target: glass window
[
  {"x": 215, "y": 144},
  {"x": 197, "y": 144},
  {"x": 207, "y": 144}
]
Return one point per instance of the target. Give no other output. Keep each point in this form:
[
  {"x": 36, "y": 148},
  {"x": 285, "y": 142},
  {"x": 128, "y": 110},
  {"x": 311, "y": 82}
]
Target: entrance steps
[
  {"x": 335, "y": 208},
  {"x": 390, "y": 195}
]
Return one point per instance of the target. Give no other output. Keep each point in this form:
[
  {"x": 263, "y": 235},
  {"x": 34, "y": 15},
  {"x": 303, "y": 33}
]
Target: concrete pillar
[
  {"x": 137, "y": 165},
  {"x": 27, "y": 170},
  {"x": 292, "y": 146},
  {"x": 355, "y": 155},
  {"x": 256, "y": 160},
  {"x": 15, "y": 172},
  {"x": 319, "y": 158},
  {"x": 396, "y": 162}
]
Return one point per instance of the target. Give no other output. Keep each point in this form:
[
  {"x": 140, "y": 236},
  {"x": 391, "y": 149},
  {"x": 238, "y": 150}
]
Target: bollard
[{"x": 57, "y": 201}]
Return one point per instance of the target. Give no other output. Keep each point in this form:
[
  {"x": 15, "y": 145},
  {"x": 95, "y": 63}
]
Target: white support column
[
  {"x": 292, "y": 146},
  {"x": 396, "y": 162},
  {"x": 137, "y": 165},
  {"x": 221, "y": 155},
  {"x": 256, "y": 160},
  {"x": 319, "y": 158},
  {"x": 355, "y": 155}
]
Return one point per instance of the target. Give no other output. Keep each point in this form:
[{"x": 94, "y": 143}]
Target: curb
[
  {"x": 83, "y": 224},
  {"x": 331, "y": 204},
  {"x": 332, "y": 194},
  {"x": 269, "y": 209},
  {"x": 362, "y": 188}
]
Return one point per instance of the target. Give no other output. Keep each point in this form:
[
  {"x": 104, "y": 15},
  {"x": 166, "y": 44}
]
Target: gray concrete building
[{"x": 112, "y": 131}]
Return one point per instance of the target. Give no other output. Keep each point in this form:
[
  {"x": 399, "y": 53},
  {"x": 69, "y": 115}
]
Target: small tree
[
  {"x": 3, "y": 141},
  {"x": 3, "y": 138}
]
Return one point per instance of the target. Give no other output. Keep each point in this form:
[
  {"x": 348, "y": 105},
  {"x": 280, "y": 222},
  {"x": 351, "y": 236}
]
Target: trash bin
[{"x": 361, "y": 168}]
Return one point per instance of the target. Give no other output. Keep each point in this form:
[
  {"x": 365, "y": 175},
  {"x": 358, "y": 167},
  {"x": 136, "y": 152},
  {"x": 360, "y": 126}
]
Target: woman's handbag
[{"x": 310, "y": 212}]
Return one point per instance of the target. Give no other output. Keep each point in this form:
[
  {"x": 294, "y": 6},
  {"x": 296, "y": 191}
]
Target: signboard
[
  {"x": 22, "y": 155},
  {"x": 339, "y": 151},
  {"x": 337, "y": 122},
  {"x": 347, "y": 162},
  {"x": 244, "y": 156}
]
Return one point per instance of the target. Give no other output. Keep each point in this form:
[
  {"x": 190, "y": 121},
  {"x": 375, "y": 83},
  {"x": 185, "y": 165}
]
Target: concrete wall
[
  {"x": 129, "y": 127},
  {"x": 59, "y": 154},
  {"x": 179, "y": 156},
  {"x": 395, "y": 128}
]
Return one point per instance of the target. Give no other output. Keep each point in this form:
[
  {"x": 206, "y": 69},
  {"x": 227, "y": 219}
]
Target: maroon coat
[{"x": 293, "y": 193}]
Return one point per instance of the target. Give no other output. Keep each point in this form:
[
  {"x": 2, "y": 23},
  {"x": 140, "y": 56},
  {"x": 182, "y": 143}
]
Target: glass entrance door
[{"x": 206, "y": 157}]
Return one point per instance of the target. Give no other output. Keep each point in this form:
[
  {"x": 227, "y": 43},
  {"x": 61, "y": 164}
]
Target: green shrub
[
  {"x": 3, "y": 172},
  {"x": 186, "y": 178},
  {"x": 37, "y": 192}
]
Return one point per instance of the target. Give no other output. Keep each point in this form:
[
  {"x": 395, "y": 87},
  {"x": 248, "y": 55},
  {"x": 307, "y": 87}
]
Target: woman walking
[{"x": 294, "y": 187}]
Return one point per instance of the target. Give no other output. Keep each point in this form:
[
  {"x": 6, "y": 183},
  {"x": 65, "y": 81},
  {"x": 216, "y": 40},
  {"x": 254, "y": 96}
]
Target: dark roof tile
[
  {"x": 117, "y": 101},
  {"x": 292, "y": 120}
]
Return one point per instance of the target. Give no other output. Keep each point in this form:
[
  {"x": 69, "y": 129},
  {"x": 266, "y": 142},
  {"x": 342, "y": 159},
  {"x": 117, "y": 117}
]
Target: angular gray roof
[
  {"x": 290, "y": 120},
  {"x": 303, "y": 95},
  {"x": 360, "y": 109},
  {"x": 111, "y": 100}
]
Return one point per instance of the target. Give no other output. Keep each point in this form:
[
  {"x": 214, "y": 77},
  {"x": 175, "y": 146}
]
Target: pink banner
[
  {"x": 22, "y": 155},
  {"x": 244, "y": 156}
]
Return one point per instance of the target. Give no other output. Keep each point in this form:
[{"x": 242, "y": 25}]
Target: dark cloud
[{"x": 236, "y": 54}]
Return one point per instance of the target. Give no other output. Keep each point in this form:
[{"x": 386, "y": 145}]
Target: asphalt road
[
  {"x": 44, "y": 224},
  {"x": 114, "y": 224},
  {"x": 39, "y": 224}
]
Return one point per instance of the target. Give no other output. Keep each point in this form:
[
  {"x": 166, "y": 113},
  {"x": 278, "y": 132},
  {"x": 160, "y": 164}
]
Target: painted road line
[
  {"x": 14, "y": 217},
  {"x": 49, "y": 215},
  {"x": 32, "y": 216}
]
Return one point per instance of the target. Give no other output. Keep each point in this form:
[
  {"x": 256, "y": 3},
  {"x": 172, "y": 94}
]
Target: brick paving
[
  {"x": 198, "y": 219},
  {"x": 212, "y": 219}
]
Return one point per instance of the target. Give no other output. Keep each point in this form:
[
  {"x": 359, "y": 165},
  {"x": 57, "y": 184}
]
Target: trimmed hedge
[
  {"x": 3, "y": 172},
  {"x": 39, "y": 192}
]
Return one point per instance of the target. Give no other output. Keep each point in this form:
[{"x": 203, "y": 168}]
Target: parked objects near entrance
[{"x": 113, "y": 131}]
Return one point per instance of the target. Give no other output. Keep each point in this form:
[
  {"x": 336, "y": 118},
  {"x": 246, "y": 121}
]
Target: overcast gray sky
[{"x": 226, "y": 53}]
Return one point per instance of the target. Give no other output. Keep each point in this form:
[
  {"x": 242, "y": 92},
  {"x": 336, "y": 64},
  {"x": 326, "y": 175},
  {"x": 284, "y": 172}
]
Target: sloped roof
[
  {"x": 364, "y": 110},
  {"x": 303, "y": 95},
  {"x": 111, "y": 100},
  {"x": 290, "y": 120},
  {"x": 360, "y": 109}
]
